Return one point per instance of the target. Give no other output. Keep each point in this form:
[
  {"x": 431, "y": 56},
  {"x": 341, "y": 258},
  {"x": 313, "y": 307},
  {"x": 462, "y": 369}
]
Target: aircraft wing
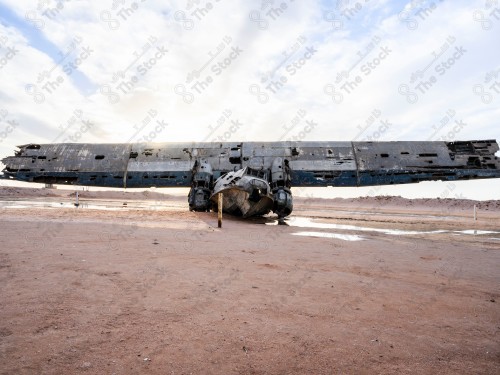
[{"x": 310, "y": 163}]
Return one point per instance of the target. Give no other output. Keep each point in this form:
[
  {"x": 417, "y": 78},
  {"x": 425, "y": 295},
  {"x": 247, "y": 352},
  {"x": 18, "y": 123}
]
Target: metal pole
[
  {"x": 475, "y": 213},
  {"x": 219, "y": 210},
  {"x": 77, "y": 201}
]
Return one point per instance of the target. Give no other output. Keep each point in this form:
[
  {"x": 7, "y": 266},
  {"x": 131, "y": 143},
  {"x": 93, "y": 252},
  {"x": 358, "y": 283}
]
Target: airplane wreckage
[{"x": 254, "y": 177}]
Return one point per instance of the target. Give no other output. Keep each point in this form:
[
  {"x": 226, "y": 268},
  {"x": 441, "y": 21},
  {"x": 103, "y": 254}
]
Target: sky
[{"x": 266, "y": 70}]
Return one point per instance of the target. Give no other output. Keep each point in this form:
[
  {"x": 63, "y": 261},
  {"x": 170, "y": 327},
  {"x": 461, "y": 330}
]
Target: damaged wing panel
[
  {"x": 383, "y": 163},
  {"x": 310, "y": 163}
]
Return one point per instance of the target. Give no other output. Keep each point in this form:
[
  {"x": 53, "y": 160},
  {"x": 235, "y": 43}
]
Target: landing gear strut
[{"x": 283, "y": 203}]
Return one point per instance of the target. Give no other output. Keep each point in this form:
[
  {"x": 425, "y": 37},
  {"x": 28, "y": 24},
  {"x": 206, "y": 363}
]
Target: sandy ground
[{"x": 147, "y": 287}]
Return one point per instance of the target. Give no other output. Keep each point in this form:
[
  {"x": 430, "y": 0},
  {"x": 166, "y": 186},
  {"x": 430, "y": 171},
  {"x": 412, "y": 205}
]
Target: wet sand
[{"x": 135, "y": 283}]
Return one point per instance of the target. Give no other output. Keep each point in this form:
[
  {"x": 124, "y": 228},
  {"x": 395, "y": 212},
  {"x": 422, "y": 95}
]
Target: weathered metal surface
[
  {"x": 244, "y": 194},
  {"x": 285, "y": 164},
  {"x": 311, "y": 163}
]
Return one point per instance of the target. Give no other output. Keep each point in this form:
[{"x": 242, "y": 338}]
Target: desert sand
[{"x": 134, "y": 283}]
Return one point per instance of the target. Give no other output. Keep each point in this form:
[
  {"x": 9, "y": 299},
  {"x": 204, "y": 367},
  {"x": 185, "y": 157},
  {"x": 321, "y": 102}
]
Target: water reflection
[
  {"x": 95, "y": 205},
  {"x": 345, "y": 237},
  {"x": 305, "y": 222}
]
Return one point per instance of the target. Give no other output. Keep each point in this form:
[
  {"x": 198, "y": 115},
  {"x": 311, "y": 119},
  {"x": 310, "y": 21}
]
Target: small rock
[
  {"x": 86, "y": 365},
  {"x": 492, "y": 300}
]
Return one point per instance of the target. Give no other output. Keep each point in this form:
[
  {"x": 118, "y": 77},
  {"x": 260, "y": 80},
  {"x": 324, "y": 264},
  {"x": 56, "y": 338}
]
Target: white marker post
[
  {"x": 77, "y": 200},
  {"x": 219, "y": 210}
]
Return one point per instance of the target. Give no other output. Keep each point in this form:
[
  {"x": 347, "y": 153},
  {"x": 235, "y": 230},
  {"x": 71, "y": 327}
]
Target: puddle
[
  {"x": 25, "y": 204},
  {"x": 375, "y": 213},
  {"x": 92, "y": 205},
  {"x": 474, "y": 231},
  {"x": 305, "y": 222},
  {"x": 345, "y": 237}
]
